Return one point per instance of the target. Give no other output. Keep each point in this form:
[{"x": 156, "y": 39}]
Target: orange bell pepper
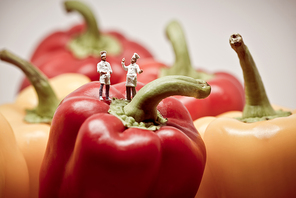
[
  {"x": 255, "y": 154},
  {"x": 31, "y": 128},
  {"x": 14, "y": 176}
]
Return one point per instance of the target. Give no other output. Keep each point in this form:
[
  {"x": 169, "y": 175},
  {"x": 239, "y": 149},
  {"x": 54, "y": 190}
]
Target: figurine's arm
[
  {"x": 123, "y": 64},
  {"x": 139, "y": 70},
  {"x": 98, "y": 68},
  {"x": 110, "y": 68}
]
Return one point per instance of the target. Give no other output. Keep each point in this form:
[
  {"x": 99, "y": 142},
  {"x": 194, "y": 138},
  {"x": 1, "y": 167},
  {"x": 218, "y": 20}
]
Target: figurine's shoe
[
  {"x": 101, "y": 98},
  {"x": 108, "y": 99}
]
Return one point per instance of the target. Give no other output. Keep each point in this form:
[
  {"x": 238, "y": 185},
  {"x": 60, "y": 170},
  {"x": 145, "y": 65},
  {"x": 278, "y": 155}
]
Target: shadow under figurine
[
  {"x": 131, "y": 77},
  {"x": 104, "y": 68}
]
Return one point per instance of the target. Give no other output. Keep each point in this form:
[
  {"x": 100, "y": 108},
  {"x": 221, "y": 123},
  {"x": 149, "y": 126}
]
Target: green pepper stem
[
  {"x": 47, "y": 99},
  {"x": 143, "y": 105},
  {"x": 91, "y": 42},
  {"x": 257, "y": 103},
  {"x": 90, "y": 20},
  {"x": 182, "y": 65}
]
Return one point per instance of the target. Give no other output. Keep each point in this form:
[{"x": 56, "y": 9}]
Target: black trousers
[
  {"x": 106, "y": 91},
  {"x": 128, "y": 92}
]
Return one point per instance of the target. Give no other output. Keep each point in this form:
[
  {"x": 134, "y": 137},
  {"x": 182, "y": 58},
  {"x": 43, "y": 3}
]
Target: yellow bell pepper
[
  {"x": 253, "y": 155},
  {"x": 14, "y": 176},
  {"x": 31, "y": 127}
]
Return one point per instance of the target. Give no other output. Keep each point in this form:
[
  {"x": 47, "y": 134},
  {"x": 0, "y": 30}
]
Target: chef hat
[
  {"x": 136, "y": 56},
  {"x": 103, "y": 53}
]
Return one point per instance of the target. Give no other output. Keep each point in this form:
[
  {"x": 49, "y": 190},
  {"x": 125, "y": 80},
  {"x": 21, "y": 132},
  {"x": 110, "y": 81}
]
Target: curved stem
[
  {"x": 90, "y": 20},
  {"x": 143, "y": 106},
  {"x": 91, "y": 42},
  {"x": 182, "y": 65},
  {"x": 176, "y": 36},
  {"x": 257, "y": 103},
  {"x": 47, "y": 100}
]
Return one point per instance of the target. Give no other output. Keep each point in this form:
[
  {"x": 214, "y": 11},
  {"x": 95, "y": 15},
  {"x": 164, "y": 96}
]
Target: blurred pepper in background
[
  {"x": 31, "y": 127},
  {"x": 78, "y": 49},
  {"x": 14, "y": 176},
  {"x": 227, "y": 92}
]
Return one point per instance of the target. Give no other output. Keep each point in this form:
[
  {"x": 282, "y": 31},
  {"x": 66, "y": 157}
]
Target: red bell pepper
[
  {"x": 78, "y": 49},
  {"x": 92, "y": 153},
  {"x": 227, "y": 92}
]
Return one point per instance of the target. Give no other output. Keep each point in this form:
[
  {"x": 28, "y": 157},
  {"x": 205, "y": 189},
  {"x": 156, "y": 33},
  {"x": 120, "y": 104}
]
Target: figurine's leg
[
  {"x": 101, "y": 91},
  {"x": 107, "y": 91},
  {"x": 134, "y": 91},
  {"x": 128, "y": 93}
]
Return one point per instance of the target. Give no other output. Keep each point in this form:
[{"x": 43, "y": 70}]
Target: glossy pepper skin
[
  {"x": 227, "y": 92},
  {"x": 253, "y": 156},
  {"x": 77, "y": 50},
  {"x": 31, "y": 128},
  {"x": 90, "y": 152},
  {"x": 13, "y": 168}
]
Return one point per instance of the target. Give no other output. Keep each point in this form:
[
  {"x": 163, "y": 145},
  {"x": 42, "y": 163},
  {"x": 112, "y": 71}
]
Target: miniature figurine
[
  {"x": 104, "y": 68},
  {"x": 131, "y": 77}
]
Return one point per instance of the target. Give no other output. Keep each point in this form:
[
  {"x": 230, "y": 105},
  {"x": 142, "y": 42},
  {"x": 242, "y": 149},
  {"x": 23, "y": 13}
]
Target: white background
[{"x": 267, "y": 26}]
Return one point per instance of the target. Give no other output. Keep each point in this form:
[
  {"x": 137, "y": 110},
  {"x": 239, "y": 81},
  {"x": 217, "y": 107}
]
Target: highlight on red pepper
[
  {"x": 227, "y": 92},
  {"x": 253, "y": 155},
  {"x": 31, "y": 127},
  {"x": 77, "y": 50},
  {"x": 145, "y": 148}
]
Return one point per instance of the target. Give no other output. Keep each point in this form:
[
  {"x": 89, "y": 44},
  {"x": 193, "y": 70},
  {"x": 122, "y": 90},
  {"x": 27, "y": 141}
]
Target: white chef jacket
[
  {"x": 131, "y": 76},
  {"x": 104, "y": 66}
]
